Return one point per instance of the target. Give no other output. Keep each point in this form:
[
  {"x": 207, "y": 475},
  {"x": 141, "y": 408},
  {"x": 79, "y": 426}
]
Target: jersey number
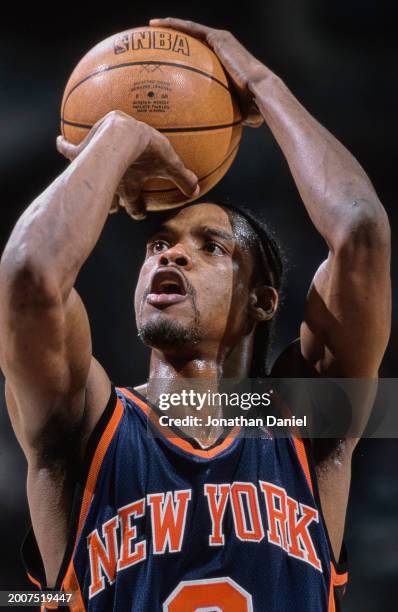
[{"x": 211, "y": 595}]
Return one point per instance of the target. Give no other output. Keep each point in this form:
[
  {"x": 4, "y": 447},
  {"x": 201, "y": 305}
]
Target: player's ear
[{"x": 263, "y": 303}]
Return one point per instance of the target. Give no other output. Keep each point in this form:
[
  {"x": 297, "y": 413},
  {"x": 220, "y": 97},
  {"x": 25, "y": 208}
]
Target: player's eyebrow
[
  {"x": 214, "y": 232},
  {"x": 163, "y": 230},
  {"x": 204, "y": 231}
]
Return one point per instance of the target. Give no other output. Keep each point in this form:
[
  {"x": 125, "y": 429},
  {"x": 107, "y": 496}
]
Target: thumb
[{"x": 66, "y": 148}]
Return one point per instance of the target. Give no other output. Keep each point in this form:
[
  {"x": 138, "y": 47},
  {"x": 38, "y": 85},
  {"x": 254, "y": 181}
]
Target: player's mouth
[{"x": 167, "y": 287}]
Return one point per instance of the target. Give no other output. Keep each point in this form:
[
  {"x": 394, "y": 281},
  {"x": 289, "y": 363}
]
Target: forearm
[
  {"x": 58, "y": 231},
  {"x": 334, "y": 188}
]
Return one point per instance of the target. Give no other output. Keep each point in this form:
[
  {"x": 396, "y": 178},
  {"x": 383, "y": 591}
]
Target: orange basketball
[{"x": 171, "y": 81}]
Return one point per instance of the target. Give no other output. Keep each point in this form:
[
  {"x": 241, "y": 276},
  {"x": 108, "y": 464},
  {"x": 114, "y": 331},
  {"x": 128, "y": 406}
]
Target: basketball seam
[
  {"x": 125, "y": 64},
  {"x": 204, "y": 128}
]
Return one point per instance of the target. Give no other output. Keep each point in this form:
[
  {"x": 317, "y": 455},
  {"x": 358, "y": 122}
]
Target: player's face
[{"x": 193, "y": 288}]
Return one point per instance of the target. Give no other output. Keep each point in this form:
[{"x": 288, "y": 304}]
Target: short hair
[{"x": 269, "y": 269}]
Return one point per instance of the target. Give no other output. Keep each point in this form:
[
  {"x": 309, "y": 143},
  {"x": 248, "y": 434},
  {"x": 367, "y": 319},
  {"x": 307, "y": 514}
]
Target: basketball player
[{"x": 131, "y": 522}]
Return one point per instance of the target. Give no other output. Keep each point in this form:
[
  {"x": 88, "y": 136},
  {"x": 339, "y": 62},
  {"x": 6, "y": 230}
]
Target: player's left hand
[{"x": 242, "y": 67}]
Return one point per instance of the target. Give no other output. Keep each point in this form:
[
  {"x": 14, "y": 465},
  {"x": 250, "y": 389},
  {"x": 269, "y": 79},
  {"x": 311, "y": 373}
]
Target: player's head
[{"x": 209, "y": 285}]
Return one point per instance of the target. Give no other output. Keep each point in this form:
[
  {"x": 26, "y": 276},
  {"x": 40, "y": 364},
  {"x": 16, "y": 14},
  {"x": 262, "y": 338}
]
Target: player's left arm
[{"x": 347, "y": 316}]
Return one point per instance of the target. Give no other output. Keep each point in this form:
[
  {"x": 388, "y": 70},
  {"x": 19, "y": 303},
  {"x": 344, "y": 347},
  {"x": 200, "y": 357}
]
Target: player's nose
[{"x": 176, "y": 255}]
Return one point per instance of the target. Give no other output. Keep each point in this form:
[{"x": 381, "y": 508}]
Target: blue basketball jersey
[{"x": 162, "y": 525}]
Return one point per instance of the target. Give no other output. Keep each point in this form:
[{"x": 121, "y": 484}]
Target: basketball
[{"x": 171, "y": 81}]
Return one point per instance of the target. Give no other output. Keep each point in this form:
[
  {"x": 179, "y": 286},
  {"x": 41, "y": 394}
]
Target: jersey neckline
[{"x": 188, "y": 444}]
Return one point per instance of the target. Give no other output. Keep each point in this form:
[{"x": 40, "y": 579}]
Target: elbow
[
  {"x": 367, "y": 228},
  {"x": 26, "y": 282}
]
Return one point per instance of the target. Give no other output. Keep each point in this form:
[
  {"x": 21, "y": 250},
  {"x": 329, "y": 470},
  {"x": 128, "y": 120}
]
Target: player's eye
[
  {"x": 213, "y": 248},
  {"x": 159, "y": 246}
]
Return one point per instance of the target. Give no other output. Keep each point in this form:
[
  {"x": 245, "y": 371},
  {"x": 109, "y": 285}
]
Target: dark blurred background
[{"x": 339, "y": 58}]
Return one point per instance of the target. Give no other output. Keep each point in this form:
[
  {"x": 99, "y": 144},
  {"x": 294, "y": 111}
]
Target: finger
[
  {"x": 66, "y": 148},
  {"x": 189, "y": 27},
  {"x": 187, "y": 182},
  {"x": 185, "y": 179},
  {"x": 136, "y": 209},
  {"x": 131, "y": 200}
]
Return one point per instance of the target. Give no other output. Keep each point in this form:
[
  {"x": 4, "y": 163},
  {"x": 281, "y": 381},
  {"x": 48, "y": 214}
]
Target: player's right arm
[
  {"x": 54, "y": 387},
  {"x": 45, "y": 344}
]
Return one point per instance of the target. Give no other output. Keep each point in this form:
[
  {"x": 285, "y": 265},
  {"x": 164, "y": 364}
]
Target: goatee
[{"x": 163, "y": 331}]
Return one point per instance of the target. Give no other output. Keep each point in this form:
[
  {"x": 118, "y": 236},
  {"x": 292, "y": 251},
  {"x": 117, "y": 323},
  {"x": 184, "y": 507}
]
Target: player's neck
[
  {"x": 170, "y": 375},
  {"x": 212, "y": 365},
  {"x": 171, "y": 368}
]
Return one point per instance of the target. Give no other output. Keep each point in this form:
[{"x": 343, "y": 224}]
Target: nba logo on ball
[{"x": 152, "y": 39}]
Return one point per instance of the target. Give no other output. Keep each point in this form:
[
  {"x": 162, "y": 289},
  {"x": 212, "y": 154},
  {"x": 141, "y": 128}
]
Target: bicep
[
  {"x": 45, "y": 358},
  {"x": 348, "y": 311}
]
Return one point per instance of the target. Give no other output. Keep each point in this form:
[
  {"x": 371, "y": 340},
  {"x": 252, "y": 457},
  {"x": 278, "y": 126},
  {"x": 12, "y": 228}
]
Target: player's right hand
[{"x": 149, "y": 155}]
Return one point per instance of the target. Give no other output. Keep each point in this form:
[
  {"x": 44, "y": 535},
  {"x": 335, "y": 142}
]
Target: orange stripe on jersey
[
  {"x": 176, "y": 440},
  {"x": 99, "y": 454},
  {"x": 70, "y": 582},
  {"x": 332, "y": 605},
  {"x": 298, "y": 442},
  {"x": 336, "y": 580},
  {"x": 143, "y": 405},
  {"x": 50, "y": 605},
  {"x": 71, "y": 585},
  {"x": 34, "y": 581},
  {"x": 302, "y": 456}
]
